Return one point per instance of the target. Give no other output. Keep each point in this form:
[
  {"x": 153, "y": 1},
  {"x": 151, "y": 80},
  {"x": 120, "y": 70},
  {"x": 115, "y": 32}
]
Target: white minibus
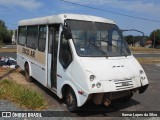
[{"x": 80, "y": 58}]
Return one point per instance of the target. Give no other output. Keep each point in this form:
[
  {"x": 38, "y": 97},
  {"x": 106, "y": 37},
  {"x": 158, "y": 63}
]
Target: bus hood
[{"x": 117, "y": 68}]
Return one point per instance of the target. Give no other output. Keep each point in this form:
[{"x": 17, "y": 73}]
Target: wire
[{"x": 141, "y": 18}]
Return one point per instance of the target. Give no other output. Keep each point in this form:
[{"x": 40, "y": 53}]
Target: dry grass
[
  {"x": 4, "y": 70},
  {"x": 21, "y": 95},
  {"x": 135, "y": 48},
  {"x": 18, "y": 92},
  {"x": 8, "y": 50},
  {"x": 149, "y": 60}
]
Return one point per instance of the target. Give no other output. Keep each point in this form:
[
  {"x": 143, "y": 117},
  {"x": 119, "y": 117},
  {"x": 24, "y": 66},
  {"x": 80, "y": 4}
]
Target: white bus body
[{"x": 101, "y": 69}]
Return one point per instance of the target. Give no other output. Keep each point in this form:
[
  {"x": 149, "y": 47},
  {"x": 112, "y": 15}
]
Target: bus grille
[{"x": 123, "y": 84}]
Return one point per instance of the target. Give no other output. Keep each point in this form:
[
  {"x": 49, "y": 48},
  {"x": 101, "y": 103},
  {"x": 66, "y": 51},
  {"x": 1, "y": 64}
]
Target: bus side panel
[
  {"x": 65, "y": 78},
  {"x": 20, "y": 61},
  {"x": 20, "y": 57},
  {"x": 38, "y": 73},
  {"x": 36, "y": 61}
]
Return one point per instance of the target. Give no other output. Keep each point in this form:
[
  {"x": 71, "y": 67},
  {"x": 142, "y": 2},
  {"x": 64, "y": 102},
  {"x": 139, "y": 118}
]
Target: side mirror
[{"x": 67, "y": 32}]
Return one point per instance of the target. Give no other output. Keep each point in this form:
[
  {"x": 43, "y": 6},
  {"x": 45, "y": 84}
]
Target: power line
[{"x": 141, "y": 18}]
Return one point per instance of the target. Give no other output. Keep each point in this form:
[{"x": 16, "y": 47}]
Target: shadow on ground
[
  {"x": 90, "y": 109},
  {"x": 8, "y": 73}
]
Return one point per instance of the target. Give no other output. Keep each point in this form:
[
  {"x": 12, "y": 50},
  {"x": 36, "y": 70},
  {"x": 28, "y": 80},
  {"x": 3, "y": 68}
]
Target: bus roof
[{"x": 58, "y": 19}]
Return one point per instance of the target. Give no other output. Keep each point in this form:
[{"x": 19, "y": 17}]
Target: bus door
[{"x": 52, "y": 56}]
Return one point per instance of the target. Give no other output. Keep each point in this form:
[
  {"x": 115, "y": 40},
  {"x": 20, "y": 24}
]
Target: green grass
[{"x": 19, "y": 94}]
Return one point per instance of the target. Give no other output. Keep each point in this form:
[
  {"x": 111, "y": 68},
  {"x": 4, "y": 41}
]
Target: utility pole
[
  {"x": 133, "y": 40},
  {"x": 154, "y": 41}
]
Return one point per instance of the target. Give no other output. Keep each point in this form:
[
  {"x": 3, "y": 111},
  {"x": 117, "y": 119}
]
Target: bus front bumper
[{"x": 107, "y": 97}]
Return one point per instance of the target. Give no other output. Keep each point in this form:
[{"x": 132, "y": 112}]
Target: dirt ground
[{"x": 17, "y": 75}]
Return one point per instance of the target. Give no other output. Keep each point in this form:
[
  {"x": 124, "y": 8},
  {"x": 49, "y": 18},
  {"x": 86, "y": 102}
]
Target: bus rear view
[{"x": 93, "y": 62}]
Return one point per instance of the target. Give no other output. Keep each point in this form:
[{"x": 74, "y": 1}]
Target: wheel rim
[{"x": 69, "y": 99}]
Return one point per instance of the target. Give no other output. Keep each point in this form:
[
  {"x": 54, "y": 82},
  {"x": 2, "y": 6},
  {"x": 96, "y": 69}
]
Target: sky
[{"x": 11, "y": 11}]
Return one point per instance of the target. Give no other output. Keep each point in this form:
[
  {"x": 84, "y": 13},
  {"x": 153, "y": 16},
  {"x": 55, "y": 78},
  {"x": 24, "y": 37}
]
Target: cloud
[
  {"x": 142, "y": 6},
  {"x": 27, "y": 4}
]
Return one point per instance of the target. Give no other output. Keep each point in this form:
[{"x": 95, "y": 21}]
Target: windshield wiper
[{"x": 116, "y": 47}]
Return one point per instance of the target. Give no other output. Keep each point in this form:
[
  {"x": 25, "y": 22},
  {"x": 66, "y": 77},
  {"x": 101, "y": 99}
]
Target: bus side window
[
  {"x": 65, "y": 55},
  {"x": 42, "y": 38},
  {"x": 22, "y": 35},
  {"x": 32, "y": 33}
]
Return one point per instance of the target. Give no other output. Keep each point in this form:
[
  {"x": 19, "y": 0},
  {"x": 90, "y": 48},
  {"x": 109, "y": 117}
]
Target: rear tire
[
  {"x": 28, "y": 78},
  {"x": 71, "y": 100}
]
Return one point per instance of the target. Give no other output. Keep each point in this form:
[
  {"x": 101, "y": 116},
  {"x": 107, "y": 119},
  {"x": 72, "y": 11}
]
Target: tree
[
  {"x": 155, "y": 37},
  {"x": 5, "y": 35},
  {"x": 129, "y": 39},
  {"x": 132, "y": 40}
]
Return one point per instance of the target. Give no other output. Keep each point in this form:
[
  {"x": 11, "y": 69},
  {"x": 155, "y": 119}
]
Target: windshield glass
[{"x": 97, "y": 39}]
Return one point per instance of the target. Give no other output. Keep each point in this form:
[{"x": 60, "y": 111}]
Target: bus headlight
[
  {"x": 98, "y": 85},
  {"x": 92, "y": 78}
]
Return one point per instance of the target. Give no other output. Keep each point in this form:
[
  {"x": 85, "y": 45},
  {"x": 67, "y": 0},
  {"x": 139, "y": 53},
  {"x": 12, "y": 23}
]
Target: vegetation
[
  {"x": 149, "y": 60},
  {"x": 5, "y": 35},
  {"x": 10, "y": 50},
  {"x": 21, "y": 95},
  {"x": 132, "y": 40},
  {"x": 155, "y": 37},
  {"x": 141, "y": 49}
]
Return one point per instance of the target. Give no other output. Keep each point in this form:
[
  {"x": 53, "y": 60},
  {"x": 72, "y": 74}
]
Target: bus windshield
[{"x": 94, "y": 39}]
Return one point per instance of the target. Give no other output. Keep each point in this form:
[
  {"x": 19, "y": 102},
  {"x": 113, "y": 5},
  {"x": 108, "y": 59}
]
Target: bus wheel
[
  {"x": 28, "y": 78},
  {"x": 71, "y": 100}
]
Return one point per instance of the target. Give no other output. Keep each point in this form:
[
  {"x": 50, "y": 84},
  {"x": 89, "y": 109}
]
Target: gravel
[{"x": 7, "y": 106}]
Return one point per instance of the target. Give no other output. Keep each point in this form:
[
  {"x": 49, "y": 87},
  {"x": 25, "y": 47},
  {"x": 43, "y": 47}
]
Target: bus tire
[
  {"x": 28, "y": 78},
  {"x": 71, "y": 100}
]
